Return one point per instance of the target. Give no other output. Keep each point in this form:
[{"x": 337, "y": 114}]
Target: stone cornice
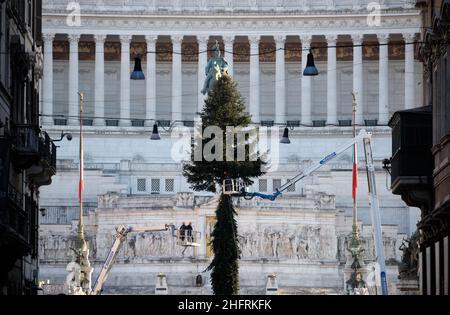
[
  {"x": 401, "y": 22},
  {"x": 235, "y": 7}
]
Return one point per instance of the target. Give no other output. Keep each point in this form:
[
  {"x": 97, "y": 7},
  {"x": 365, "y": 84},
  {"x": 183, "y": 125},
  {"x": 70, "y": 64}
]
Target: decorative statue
[
  {"x": 73, "y": 278},
  {"x": 215, "y": 69},
  {"x": 356, "y": 285},
  {"x": 80, "y": 270},
  {"x": 86, "y": 271},
  {"x": 74, "y": 269},
  {"x": 409, "y": 264},
  {"x": 357, "y": 255}
]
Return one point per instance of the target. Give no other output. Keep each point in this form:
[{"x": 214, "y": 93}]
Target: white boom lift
[
  {"x": 184, "y": 238},
  {"x": 237, "y": 188}
]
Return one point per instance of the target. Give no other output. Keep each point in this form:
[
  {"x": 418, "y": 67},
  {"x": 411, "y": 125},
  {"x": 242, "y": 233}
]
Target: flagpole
[
  {"x": 355, "y": 245},
  {"x": 355, "y": 154},
  {"x": 81, "y": 179}
]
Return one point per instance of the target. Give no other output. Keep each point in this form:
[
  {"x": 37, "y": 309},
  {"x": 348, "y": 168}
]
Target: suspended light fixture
[
  {"x": 310, "y": 69},
  {"x": 155, "y": 133},
  {"x": 137, "y": 74},
  {"x": 285, "y": 139}
]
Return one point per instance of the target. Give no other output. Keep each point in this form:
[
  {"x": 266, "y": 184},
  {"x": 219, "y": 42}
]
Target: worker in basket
[
  {"x": 183, "y": 229},
  {"x": 189, "y": 233}
]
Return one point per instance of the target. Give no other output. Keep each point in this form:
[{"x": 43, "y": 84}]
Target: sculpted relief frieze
[
  {"x": 299, "y": 243},
  {"x": 274, "y": 242},
  {"x": 282, "y": 242},
  {"x": 58, "y": 247},
  {"x": 149, "y": 245}
]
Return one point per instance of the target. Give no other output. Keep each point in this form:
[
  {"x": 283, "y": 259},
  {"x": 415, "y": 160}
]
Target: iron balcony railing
[
  {"x": 31, "y": 147},
  {"x": 47, "y": 150},
  {"x": 17, "y": 213},
  {"x": 15, "y": 196}
]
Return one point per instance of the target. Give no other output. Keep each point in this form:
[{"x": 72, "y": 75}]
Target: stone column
[
  {"x": 73, "y": 80},
  {"x": 202, "y": 61},
  {"x": 228, "y": 43},
  {"x": 254, "y": 78},
  {"x": 177, "y": 74},
  {"x": 410, "y": 101},
  {"x": 280, "y": 78},
  {"x": 332, "y": 117},
  {"x": 306, "y": 83},
  {"x": 99, "y": 109},
  {"x": 358, "y": 77},
  {"x": 47, "y": 104},
  {"x": 150, "y": 107},
  {"x": 125, "y": 110},
  {"x": 383, "y": 109}
]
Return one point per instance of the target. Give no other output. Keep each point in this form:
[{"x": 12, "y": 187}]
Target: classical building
[
  {"x": 27, "y": 155},
  {"x": 422, "y": 135},
  {"x": 135, "y": 181}
]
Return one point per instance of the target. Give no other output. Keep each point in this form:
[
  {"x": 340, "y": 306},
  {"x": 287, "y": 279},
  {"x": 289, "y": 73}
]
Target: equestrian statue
[{"x": 215, "y": 69}]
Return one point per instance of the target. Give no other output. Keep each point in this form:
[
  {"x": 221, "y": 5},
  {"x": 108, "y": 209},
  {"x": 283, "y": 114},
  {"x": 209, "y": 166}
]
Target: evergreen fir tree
[{"x": 224, "y": 107}]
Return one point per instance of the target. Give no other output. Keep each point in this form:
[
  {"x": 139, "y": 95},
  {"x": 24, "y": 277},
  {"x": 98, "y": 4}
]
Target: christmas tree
[{"x": 224, "y": 108}]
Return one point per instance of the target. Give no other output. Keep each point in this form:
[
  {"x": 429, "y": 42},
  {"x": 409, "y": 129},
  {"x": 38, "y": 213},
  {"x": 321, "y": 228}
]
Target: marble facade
[
  {"x": 134, "y": 181},
  {"x": 297, "y": 239}
]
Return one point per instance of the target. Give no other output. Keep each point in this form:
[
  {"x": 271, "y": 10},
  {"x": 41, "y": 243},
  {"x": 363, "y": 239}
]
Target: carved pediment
[
  {"x": 108, "y": 200},
  {"x": 185, "y": 199},
  {"x": 325, "y": 201}
]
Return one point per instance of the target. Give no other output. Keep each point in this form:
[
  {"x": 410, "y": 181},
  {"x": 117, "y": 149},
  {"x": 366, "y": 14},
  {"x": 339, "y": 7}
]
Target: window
[
  {"x": 156, "y": 186},
  {"x": 170, "y": 185},
  {"x": 291, "y": 188},
  {"x": 60, "y": 122},
  {"x": 263, "y": 185},
  {"x": 137, "y": 123},
  {"x": 112, "y": 122},
  {"x": 141, "y": 185},
  {"x": 276, "y": 184},
  {"x": 88, "y": 122}
]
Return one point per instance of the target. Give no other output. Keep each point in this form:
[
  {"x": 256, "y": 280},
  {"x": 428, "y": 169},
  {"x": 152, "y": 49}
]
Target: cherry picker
[
  {"x": 236, "y": 188},
  {"x": 184, "y": 238}
]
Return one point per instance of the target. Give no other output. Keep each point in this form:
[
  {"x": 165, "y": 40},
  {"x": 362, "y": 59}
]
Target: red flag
[{"x": 355, "y": 173}]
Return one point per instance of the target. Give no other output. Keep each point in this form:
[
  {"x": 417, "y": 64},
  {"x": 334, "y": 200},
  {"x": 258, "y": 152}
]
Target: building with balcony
[
  {"x": 421, "y": 150},
  {"x": 27, "y": 154}
]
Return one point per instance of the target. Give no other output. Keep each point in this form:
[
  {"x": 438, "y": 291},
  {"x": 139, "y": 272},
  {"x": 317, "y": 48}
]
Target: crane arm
[
  {"x": 373, "y": 196},
  {"x": 121, "y": 234},
  {"x": 142, "y": 230},
  {"x": 362, "y": 135}
]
